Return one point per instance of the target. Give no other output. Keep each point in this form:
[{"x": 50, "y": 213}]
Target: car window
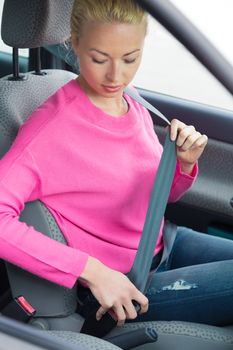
[
  {"x": 214, "y": 19},
  {"x": 3, "y": 47},
  {"x": 168, "y": 67}
]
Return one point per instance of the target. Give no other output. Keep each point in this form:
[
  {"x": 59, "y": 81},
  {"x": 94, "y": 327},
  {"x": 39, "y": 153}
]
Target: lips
[{"x": 112, "y": 88}]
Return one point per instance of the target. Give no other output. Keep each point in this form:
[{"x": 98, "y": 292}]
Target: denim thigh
[
  {"x": 196, "y": 283},
  {"x": 192, "y": 248}
]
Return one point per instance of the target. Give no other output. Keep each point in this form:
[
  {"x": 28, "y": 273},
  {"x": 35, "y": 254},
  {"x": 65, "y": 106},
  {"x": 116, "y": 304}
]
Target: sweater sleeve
[
  {"x": 21, "y": 244},
  {"x": 182, "y": 182}
]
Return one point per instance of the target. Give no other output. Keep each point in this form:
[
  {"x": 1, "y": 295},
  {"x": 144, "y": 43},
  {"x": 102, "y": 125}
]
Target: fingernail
[{"x": 172, "y": 136}]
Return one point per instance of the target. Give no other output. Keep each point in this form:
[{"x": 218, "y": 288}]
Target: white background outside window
[{"x": 167, "y": 67}]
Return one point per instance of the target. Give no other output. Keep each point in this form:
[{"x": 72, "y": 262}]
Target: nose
[{"x": 114, "y": 72}]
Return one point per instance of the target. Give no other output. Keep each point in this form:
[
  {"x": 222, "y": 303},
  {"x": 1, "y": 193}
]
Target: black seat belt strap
[{"x": 158, "y": 200}]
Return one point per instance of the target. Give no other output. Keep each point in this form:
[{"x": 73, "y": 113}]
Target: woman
[{"x": 90, "y": 154}]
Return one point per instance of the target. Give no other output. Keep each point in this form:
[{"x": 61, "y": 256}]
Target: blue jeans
[{"x": 195, "y": 283}]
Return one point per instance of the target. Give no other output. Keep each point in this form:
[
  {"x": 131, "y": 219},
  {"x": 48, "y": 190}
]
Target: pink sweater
[{"x": 94, "y": 172}]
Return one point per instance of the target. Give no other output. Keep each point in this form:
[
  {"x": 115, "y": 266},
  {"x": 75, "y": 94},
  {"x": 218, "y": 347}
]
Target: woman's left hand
[{"x": 190, "y": 144}]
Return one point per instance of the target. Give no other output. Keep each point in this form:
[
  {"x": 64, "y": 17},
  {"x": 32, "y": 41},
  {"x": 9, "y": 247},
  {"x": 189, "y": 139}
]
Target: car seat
[{"x": 34, "y": 24}]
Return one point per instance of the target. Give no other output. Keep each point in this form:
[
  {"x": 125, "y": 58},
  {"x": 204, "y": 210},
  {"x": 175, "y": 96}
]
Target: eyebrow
[{"x": 105, "y": 54}]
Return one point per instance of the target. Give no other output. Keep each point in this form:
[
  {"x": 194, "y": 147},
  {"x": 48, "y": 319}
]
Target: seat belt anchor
[
  {"x": 25, "y": 305},
  {"x": 19, "y": 309}
]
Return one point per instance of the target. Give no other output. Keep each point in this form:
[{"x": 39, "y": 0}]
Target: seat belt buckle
[
  {"x": 19, "y": 309},
  {"x": 99, "y": 328},
  {"x": 102, "y": 327}
]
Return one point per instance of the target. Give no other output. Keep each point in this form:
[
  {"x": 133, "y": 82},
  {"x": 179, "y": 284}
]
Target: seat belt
[{"x": 139, "y": 272}]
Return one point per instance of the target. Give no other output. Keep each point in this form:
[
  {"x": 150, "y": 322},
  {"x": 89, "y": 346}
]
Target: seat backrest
[{"x": 38, "y": 23}]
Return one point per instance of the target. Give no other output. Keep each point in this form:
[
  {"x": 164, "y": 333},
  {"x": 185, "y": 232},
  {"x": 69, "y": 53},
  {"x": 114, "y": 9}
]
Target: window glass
[
  {"x": 3, "y": 46},
  {"x": 214, "y": 19},
  {"x": 168, "y": 67}
]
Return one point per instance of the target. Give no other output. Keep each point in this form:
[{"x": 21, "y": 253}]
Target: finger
[
  {"x": 184, "y": 134},
  {"x": 120, "y": 313},
  {"x": 100, "y": 313},
  {"x": 144, "y": 305},
  {"x": 202, "y": 141},
  {"x": 196, "y": 141},
  {"x": 143, "y": 302},
  {"x": 130, "y": 311},
  {"x": 190, "y": 141},
  {"x": 176, "y": 125}
]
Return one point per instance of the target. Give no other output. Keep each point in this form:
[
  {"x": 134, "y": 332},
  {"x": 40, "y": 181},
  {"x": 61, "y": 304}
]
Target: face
[{"x": 109, "y": 56}]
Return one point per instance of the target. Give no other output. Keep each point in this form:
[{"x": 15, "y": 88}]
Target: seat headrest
[{"x": 35, "y": 23}]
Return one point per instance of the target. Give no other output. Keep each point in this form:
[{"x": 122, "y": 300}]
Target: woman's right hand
[{"x": 113, "y": 290}]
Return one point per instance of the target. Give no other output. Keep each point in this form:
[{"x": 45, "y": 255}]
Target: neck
[{"x": 115, "y": 106}]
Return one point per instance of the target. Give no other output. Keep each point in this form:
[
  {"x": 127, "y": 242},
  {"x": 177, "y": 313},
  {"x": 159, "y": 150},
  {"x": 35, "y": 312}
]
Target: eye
[
  {"x": 97, "y": 61},
  {"x": 130, "y": 61}
]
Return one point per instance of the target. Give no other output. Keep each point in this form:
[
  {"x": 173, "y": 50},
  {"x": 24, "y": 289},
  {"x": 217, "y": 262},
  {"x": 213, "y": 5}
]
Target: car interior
[{"x": 42, "y": 27}]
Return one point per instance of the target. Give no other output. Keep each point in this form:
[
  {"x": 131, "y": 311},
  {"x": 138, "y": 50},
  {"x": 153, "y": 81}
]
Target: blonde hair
[{"x": 105, "y": 11}]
